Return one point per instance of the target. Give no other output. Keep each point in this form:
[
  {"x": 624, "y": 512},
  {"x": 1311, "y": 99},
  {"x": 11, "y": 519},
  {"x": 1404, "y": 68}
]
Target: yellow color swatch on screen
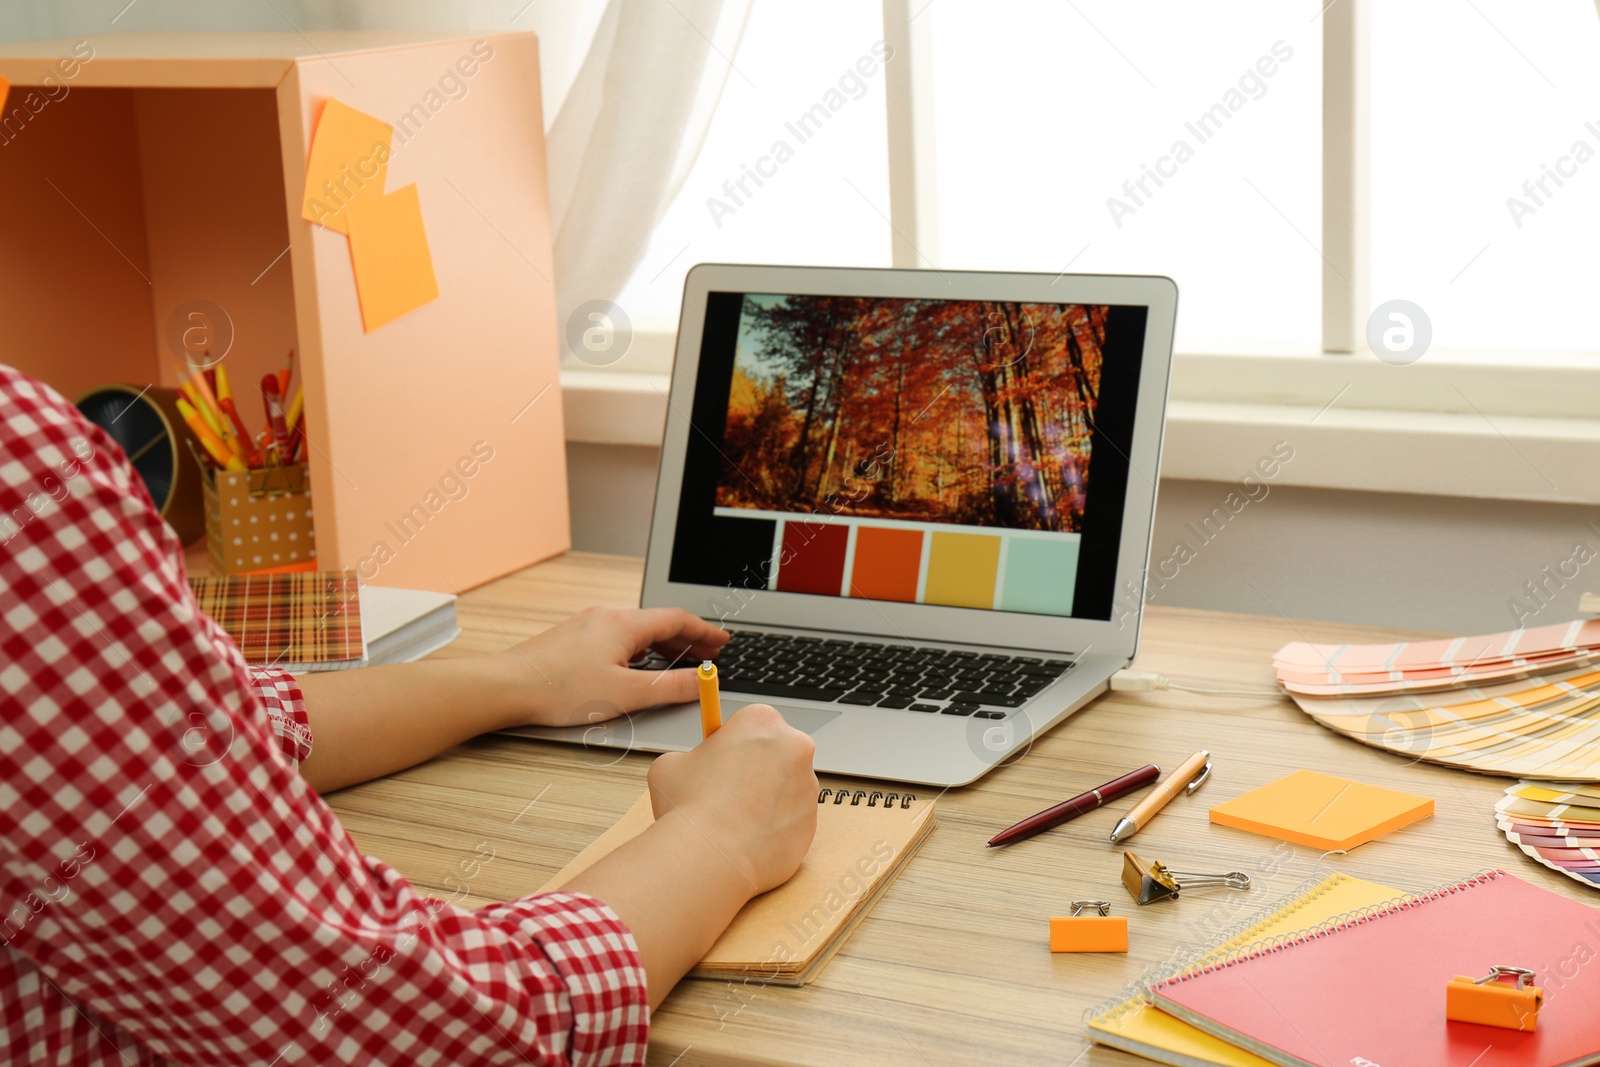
[{"x": 961, "y": 570}]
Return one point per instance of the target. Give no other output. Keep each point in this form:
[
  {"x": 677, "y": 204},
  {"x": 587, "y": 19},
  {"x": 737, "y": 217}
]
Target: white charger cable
[{"x": 1131, "y": 681}]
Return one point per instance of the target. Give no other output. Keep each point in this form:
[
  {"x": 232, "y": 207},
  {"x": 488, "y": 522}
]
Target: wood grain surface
[{"x": 953, "y": 967}]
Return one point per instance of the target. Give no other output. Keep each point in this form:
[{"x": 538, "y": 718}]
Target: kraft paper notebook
[
  {"x": 787, "y": 935},
  {"x": 1322, "y": 811},
  {"x": 1370, "y": 988},
  {"x": 1130, "y": 1023}
]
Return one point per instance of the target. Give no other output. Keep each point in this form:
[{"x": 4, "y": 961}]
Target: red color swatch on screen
[
  {"x": 886, "y": 563},
  {"x": 812, "y": 560}
]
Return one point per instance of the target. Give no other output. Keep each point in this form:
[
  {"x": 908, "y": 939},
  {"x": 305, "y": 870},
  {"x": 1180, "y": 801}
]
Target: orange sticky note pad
[
  {"x": 5, "y": 87},
  {"x": 1089, "y": 933},
  {"x": 1322, "y": 811},
  {"x": 349, "y": 159},
  {"x": 389, "y": 247}
]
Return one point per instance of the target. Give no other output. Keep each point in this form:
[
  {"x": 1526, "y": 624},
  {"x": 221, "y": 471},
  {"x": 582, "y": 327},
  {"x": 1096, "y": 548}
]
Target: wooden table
[{"x": 953, "y": 966}]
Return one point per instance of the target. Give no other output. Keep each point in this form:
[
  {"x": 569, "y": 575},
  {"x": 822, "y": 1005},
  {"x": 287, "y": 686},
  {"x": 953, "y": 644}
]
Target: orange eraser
[
  {"x": 1089, "y": 933},
  {"x": 1492, "y": 1004}
]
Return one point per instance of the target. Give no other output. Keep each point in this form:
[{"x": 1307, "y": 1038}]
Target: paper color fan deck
[
  {"x": 1525, "y": 703},
  {"x": 1556, "y": 824}
]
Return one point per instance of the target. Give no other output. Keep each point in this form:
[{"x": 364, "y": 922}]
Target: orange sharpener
[
  {"x": 1490, "y": 1001},
  {"x": 1089, "y": 933}
]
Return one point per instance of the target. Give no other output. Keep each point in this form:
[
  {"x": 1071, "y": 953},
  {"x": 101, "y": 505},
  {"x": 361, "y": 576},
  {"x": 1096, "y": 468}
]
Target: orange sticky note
[
  {"x": 389, "y": 247},
  {"x": 1322, "y": 811},
  {"x": 349, "y": 159},
  {"x": 5, "y": 87},
  {"x": 1089, "y": 933}
]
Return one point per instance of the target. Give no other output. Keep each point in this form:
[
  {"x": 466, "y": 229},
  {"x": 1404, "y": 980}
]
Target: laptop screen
[{"x": 969, "y": 453}]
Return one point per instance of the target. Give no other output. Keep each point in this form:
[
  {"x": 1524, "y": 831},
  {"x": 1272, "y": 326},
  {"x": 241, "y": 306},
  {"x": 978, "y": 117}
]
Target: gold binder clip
[
  {"x": 1078, "y": 932},
  {"x": 1489, "y": 1001},
  {"x": 1150, "y": 882}
]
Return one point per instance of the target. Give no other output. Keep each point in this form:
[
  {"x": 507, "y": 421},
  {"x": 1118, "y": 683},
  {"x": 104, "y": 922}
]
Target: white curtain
[
  {"x": 626, "y": 135},
  {"x": 629, "y": 87}
]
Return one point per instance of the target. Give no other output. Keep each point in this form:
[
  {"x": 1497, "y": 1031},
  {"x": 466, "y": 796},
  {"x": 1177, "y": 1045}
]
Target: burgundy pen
[{"x": 1081, "y": 804}]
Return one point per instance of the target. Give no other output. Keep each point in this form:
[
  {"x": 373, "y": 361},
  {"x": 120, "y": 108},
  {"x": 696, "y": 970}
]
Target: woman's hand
[
  {"x": 576, "y": 673},
  {"x": 749, "y": 790}
]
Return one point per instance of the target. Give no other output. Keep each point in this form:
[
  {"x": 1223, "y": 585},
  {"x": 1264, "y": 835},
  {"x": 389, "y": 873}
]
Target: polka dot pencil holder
[{"x": 260, "y": 520}]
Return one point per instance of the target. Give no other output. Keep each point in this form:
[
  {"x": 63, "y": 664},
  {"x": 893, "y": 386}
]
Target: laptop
[{"x": 919, "y": 500}]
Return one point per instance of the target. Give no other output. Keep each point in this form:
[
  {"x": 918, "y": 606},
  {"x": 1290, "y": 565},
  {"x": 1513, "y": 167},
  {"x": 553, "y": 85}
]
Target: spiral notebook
[
  {"x": 1369, "y": 988},
  {"x": 787, "y": 935},
  {"x": 1129, "y": 1022}
]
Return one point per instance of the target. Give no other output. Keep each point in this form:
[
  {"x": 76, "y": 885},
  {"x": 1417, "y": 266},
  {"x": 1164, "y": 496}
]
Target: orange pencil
[
  {"x": 247, "y": 449},
  {"x": 208, "y": 440},
  {"x": 246, "y": 445},
  {"x": 218, "y": 419},
  {"x": 191, "y": 394},
  {"x": 285, "y": 374},
  {"x": 297, "y": 432}
]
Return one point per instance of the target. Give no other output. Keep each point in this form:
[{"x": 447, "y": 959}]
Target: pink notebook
[{"x": 1370, "y": 990}]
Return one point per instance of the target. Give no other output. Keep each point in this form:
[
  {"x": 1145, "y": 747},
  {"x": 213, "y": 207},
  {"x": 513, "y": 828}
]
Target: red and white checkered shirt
[{"x": 171, "y": 890}]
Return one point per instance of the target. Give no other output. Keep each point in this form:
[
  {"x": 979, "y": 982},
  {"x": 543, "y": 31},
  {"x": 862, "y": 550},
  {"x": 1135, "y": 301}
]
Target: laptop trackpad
[{"x": 806, "y": 720}]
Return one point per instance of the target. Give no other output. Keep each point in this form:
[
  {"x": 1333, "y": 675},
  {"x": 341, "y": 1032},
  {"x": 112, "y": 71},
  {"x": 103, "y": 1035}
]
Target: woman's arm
[
  {"x": 375, "y": 721},
  {"x": 175, "y": 877},
  {"x": 734, "y": 818}
]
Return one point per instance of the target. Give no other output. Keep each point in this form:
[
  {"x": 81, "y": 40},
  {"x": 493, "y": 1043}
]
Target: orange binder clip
[
  {"x": 1089, "y": 933},
  {"x": 1491, "y": 1002}
]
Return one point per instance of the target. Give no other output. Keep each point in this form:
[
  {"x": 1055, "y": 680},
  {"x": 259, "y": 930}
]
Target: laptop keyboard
[{"x": 875, "y": 674}]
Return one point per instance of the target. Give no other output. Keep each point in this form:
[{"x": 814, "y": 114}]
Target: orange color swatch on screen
[
  {"x": 1322, "y": 811},
  {"x": 349, "y": 159},
  {"x": 394, "y": 269},
  {"x": 886, "y": 564}
]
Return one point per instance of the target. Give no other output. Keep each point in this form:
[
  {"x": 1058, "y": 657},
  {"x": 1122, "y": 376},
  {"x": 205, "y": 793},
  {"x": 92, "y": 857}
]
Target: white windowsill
[
  {"x": 1554, "y": 460},
  {"x": 1453, "y": 428},
  {"x": 614, "y": 408}
]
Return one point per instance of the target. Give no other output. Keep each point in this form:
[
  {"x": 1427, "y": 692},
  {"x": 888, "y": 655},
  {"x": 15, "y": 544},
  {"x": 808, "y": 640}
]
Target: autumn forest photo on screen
[{"x": 968, "y": 412}]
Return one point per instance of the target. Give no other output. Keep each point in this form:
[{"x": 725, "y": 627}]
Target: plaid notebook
[{"x": 309, "y": 621}]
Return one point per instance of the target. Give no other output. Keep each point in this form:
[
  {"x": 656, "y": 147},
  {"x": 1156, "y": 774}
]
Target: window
[
  {"x": 1486, "y": 170},
  {"x": 1072, "y": 136},
  {"x": 794, "y": 168},
  {"x": 1188, "y": 140}
]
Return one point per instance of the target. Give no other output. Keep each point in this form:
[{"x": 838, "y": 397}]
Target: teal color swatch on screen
[{"x": 1040, "y": 575}]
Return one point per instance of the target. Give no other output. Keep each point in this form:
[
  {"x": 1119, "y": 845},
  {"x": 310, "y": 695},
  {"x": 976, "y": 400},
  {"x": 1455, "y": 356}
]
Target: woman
[{"x": 173, "y": 888}]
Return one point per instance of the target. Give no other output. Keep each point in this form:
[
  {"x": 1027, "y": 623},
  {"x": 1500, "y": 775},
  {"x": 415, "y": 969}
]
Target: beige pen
[{"x": 1186, "y": 779}]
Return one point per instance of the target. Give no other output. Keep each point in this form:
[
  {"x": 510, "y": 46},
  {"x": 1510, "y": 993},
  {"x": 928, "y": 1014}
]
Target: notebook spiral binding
[
  {"x": 1334, "y": 925},
  {"x": 855, "y": 797},
  {"x": 1133, "y": 997}
]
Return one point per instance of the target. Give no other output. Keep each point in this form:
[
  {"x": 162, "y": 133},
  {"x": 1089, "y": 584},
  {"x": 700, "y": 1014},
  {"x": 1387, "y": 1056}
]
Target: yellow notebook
[
  {"x": 1322, "y": 811},
  {"x": 787, "y": 935},
  {"x": 1130, "y": 1023}
]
